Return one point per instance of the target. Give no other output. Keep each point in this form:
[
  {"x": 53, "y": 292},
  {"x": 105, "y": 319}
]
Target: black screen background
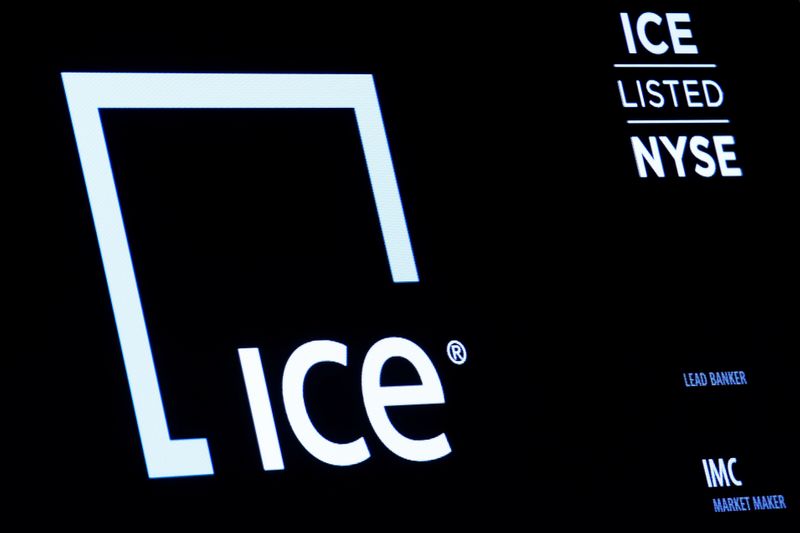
[{"x": 581, "y": 291}]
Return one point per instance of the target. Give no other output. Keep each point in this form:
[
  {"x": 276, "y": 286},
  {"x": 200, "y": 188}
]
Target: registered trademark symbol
[{"x": 457, "y": 352}]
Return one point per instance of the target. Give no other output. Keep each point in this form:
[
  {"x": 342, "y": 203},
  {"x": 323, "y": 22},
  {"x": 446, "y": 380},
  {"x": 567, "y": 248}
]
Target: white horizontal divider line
[
  {"x": 665, "y": 65},
  {"x": 677, "y": 121}
]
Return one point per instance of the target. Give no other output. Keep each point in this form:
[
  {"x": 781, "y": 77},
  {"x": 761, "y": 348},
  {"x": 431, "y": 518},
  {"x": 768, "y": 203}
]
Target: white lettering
[
  {"x": 696, "y": 146},
  {"x": 678, "y": 34},
  {"x": 641, "y": 30},
  {"x": 676, "y": 151},
  {"x": 377, "y": 398},
  {"x": 626, "y": 29},
  {"x": 723, "y": 156},
  {"x": 720, "y": 95},
  {"x": 294, "y": 375},
  {"x": 652, "y": 157}
]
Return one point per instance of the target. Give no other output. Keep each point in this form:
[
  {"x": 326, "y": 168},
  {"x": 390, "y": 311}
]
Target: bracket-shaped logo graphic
[{"x": 87, "y": 93}]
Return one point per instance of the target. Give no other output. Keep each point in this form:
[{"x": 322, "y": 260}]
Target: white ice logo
[{"x": 87, "y": 93}]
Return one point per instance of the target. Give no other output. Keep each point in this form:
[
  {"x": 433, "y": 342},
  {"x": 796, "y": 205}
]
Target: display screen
[{"x": 529, "y": 268}]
